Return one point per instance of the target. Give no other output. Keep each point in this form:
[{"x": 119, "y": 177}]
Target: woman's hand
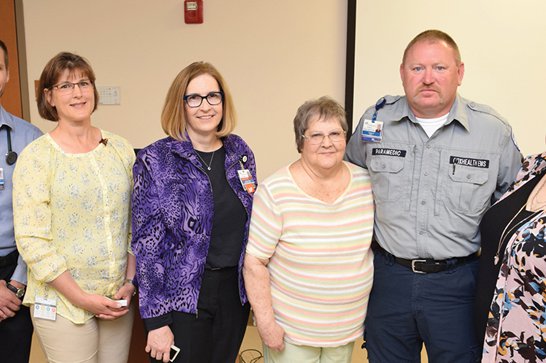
[
  {"x": 125, "y": 292},
  {"x": 258, "y": 289},
  {"x": 103, "y": 307},
  {"x": 272, "y": 335},
  {"x": 159, "y": 343}
]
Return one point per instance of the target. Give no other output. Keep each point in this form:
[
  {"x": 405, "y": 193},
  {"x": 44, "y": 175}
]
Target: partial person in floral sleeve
[{"x": 512, "y": 270}]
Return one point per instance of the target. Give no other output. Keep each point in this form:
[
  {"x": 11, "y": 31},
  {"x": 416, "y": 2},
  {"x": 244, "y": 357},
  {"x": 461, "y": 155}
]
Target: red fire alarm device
[{"x": 193, "y": 11}]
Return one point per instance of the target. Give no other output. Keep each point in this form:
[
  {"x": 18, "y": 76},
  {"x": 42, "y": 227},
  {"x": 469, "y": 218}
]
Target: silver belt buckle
[{"x": 413, "y": 266}]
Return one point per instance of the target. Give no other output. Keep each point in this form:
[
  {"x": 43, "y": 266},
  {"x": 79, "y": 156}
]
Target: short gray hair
[{"x": 325, "y": 108}]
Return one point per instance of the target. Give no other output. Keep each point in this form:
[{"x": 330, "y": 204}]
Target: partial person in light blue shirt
[
  {"x": 15, "y": 323},
  {"x": 21, "y": 134}
]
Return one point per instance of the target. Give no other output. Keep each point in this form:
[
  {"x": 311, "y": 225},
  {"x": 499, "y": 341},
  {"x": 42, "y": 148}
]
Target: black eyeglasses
[{"x": 195, "y": 100}]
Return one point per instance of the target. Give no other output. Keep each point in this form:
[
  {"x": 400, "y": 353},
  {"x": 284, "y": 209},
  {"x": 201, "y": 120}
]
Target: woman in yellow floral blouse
[{"x": 71, "y": 211}]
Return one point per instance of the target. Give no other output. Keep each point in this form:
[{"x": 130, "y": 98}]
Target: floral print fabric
[
  {"x": 72, "y": 213},
  {"x": 516, "y": 327}
]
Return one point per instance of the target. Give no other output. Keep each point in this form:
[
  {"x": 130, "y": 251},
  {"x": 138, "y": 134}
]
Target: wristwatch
[{"x": 18, "y": 292}]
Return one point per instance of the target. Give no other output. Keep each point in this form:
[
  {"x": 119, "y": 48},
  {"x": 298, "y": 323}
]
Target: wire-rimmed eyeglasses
[
  {"x": 194, "y": 100},
  {"x": 68, "y": 87},
  {"x": 318, "y": 138}
]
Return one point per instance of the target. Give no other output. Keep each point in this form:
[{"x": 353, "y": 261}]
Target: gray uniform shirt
[{"x": 431, "y": 193}]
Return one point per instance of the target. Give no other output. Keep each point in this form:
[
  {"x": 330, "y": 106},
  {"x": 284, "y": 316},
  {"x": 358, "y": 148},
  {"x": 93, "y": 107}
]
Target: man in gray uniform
[{"x": 437, "y": 162}]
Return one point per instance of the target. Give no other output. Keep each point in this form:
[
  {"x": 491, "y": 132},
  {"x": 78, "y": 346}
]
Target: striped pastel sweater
[{"x": 321, "y": 264}]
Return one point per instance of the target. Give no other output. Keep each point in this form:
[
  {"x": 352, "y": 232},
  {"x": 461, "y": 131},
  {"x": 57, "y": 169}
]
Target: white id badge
[
  {"x": 372, "y": 131},
  {"x": 45, "y": 309}
]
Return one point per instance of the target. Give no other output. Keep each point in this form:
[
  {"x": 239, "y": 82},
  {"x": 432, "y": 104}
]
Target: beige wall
[
  {"x": 273, "y": 54},
  {"x": 501, "y": 43}
]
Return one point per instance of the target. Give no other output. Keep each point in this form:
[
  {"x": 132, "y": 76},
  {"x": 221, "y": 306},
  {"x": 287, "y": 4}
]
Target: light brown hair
[
  {"x": 173, "y": 117},
  {"x": 51, "y": 74}
]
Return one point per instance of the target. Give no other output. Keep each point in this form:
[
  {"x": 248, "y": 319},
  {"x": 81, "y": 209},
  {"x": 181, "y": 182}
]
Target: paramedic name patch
[
  {"x": 389, "y": 152},
  {"x": 476, "y": 163}
]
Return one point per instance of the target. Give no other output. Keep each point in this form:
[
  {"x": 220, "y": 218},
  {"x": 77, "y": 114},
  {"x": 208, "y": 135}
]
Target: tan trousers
[
  {"x": 95, "y": 341},
  {"x": 305, "y": 354}
]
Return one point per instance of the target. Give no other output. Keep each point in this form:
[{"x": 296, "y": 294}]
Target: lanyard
[
  {"x": 379, "y": 105},
  {"x": 11, "y": 156}
]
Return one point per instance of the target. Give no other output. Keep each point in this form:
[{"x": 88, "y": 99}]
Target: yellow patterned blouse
[{"x": 72, "y": 212}]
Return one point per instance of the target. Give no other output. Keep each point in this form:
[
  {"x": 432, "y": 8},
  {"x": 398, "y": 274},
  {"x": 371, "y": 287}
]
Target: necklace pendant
[{"x": 209, "y": 165}]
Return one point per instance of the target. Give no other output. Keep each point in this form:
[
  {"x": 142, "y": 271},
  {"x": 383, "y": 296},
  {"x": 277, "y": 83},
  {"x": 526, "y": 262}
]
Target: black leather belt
[{"x": 428, "y": 265}]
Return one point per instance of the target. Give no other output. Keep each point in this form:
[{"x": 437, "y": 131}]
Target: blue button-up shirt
[{"x": 22, "y": 134}]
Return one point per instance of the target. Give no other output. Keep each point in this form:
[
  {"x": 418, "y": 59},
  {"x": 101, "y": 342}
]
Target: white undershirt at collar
[{"x": 430, "y": 125}]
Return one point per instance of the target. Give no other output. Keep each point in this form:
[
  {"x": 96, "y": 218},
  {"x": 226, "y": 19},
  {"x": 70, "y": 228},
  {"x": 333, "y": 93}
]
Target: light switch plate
[{"x": 109, "y": 95}]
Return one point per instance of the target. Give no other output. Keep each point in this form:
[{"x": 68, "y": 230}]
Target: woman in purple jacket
[{"x": 191, "y": 209}]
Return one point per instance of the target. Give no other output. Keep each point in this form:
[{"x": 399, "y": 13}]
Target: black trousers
[
  {"x": 15, "y": 332},
  {"x": 215, "y": 334}
]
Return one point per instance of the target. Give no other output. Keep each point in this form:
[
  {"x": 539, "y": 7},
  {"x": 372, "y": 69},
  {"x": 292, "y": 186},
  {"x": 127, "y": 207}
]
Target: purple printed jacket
[{"x": 172, "y": 222}]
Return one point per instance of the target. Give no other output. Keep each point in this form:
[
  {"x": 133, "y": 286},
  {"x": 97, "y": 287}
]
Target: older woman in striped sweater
[{"x": 308, "y": 265}]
